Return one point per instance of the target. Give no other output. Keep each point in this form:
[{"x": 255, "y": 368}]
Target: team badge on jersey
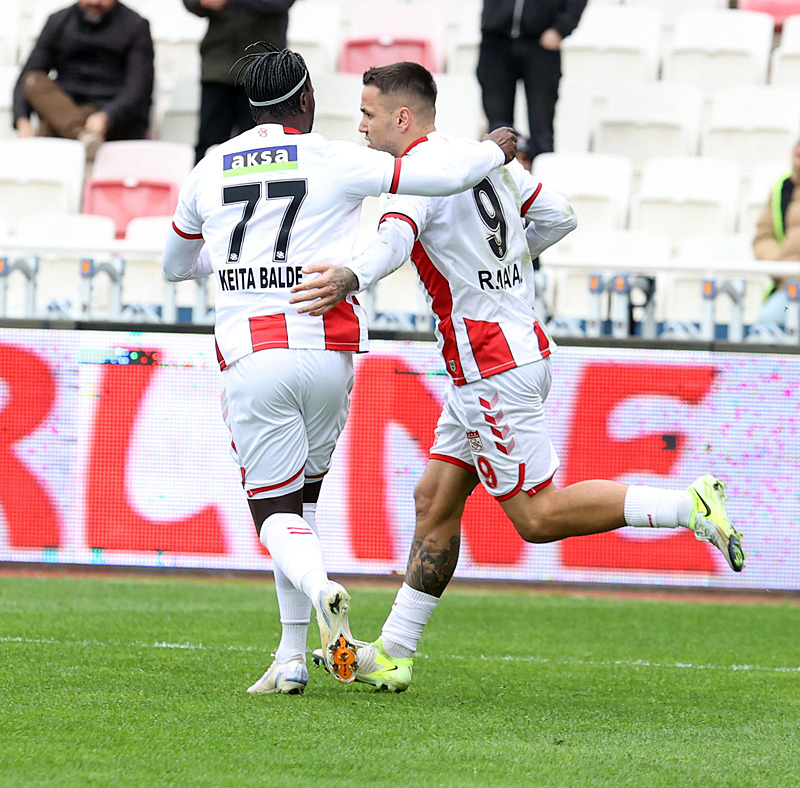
[
  {"x": 475, "y": 442},
  {"x": 247, "y": 162}
]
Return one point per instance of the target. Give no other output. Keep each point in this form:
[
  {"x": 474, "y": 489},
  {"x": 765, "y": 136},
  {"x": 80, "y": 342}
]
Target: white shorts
[
  {"x": 496, "y": 428},
  {"x": 285, "y": 410}
]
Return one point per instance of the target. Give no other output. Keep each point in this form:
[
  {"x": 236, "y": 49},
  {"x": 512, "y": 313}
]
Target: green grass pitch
[{"x": 140, "y": 681}]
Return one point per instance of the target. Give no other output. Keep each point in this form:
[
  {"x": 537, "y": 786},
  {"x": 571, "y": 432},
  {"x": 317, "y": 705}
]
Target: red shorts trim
[
  {"x": 453, "y": 461},
  {"x": 257, "y": 490},
  {"x": 539, "y": 486},
  {"x": 517, "y": 488}
]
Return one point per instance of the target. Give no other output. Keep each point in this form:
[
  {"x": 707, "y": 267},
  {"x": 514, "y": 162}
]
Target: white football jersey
[
  {"x": 271, "y": 201},
  {"x": 472, "y": 258}
]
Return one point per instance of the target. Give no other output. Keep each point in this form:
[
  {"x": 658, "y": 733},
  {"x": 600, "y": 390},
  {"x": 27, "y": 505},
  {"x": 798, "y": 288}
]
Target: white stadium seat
[
  {"x": 720, "y": 49},
  {"x": 597, "y": 185},
  {"x": 684, "y": 195},
  {"x": 613, "y": 40},
  {"x": 646, "y": 119},
  {"x": 40, "y": 174}
]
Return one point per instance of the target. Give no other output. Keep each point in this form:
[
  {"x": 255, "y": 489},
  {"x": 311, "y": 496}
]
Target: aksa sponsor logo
[{"x": 248, "y": 162}]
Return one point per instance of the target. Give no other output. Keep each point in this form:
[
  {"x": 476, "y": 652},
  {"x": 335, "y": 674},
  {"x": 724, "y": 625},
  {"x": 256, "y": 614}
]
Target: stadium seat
[
  {"x": 573, "y": 122},
  {"x": 704, "y": 251},
  {"x": 136, "y": 178},
  {"x": 459, "y": 110},
  {"x": 671, "y": 9},
  {"x": 759, "y": 190},
  {"x": 40, "y": 174},
  {"x": 598, "y": 185},
  {"x": 338, "y": 112},
  {"x": 315, "y": 30},
  {"x": 613, "y": 40},
  {"x": 464, "y": 38},
  {"x": 8, "y": 79},
  {"x": 10, "y": 37},
  {"x": 598, "y": 249},
  {"x": 779, "y": 10},
  {"x": 61, "y": 241},
  {"x": 751, "y": 124},
  {"x": 386, "y": 33},
  {"x": 720, "y": 49},
  {"x": 685, "y": 195},
  {"x": 785, "y": 60},
  {"x": 176, "y": 39},
  {"x": 180, "y": 117},
  {"x": 646, "y": 119}
]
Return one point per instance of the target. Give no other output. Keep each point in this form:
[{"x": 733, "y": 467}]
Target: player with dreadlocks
[{"x": 262, "y": 207}]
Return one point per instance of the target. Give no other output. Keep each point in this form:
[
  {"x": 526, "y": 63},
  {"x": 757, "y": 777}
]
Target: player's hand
[
  {"x": 325, "y": 291},
  {"x": 506, "y": 138}
]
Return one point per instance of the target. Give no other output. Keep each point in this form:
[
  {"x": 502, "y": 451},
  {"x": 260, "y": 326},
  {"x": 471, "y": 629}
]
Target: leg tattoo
[{"x": 430, "y": 568}]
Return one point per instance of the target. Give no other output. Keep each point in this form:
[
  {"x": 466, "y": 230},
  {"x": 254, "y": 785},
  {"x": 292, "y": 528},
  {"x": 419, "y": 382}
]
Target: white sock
[
  {"x": 295, "y": 611},
  {"x": 294, "y": 606},
  {"x": 652, "y": 507},
  {"x": 296, "y": 551},
  {"x": 402, "y": 629}
]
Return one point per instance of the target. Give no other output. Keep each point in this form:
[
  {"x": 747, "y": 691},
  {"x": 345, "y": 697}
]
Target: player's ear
[{"x": 403, "y": 119}]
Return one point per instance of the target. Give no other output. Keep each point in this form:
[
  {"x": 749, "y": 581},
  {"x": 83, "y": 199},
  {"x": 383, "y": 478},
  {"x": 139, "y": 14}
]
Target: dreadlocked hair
[{"x": 268, "y": 74}]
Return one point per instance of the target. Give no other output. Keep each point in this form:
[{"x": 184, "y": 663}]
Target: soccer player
[
  {"x": 261, "y": 207},
  {"x": 471, "y": 255}
]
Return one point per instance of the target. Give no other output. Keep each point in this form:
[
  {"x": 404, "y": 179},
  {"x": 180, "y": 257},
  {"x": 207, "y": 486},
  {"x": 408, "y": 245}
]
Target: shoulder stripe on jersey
[
  {"x": 395, "y": 177},
  {"x": 395, "y": 215},
  {"x": 453, "y": 461},
  {"x": 527, "y": 204},
  {"x": 257, "y": 490},
  {"x": 342, "y": 329},
  {"x": 489, "y": 347},
  {"x": 516, "y": 489},
  {"x": 268, "y": 331},
  {"x": 442, "y": 304},
  {"x": 188, "y": 236}
]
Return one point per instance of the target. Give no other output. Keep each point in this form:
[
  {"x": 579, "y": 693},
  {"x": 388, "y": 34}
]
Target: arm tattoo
[
  {"x": 430, "y": 568},
  {"x": 343, "y": 281}
]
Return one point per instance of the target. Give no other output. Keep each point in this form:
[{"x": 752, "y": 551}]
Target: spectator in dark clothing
[
  {"x": 232, "y": 26},
  {"x": 521, "y": 39},
  {"x": 102, "y": 55}
]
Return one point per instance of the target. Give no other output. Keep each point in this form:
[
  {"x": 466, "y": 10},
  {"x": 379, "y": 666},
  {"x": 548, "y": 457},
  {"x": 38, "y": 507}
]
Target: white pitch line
[{"x": 633, "y": 663}]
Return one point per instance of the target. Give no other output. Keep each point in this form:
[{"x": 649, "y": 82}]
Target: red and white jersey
[
  {"x": 472, "y": 258},
  {"x": 271, "y": 201}
]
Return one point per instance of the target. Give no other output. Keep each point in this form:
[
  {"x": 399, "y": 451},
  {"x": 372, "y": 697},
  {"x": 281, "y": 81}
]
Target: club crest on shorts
[{"x": 475, "y": 442}]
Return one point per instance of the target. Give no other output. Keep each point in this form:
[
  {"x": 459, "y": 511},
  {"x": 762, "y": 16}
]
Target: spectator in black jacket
[
  {"x": 521, "y": 39},
  {"x": 102, "y": 55},
  {"x": 232, "y": 26}
]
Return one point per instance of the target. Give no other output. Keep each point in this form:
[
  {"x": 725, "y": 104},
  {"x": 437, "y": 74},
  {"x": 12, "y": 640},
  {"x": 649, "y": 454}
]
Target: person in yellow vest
[{"x": 778, "y": 236}]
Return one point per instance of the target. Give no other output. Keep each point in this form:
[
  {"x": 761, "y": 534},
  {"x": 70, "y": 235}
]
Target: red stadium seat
[
  {"x": 386, "y": 33},
  {"x": 136, "y": 178},
  {"x": 128, "y": 198},
  {"x": 360, "y": 54},
  {"x": 779, "y": 10}
]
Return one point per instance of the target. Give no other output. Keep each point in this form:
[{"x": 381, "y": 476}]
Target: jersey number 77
[{"x": 250, "y": 194}]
